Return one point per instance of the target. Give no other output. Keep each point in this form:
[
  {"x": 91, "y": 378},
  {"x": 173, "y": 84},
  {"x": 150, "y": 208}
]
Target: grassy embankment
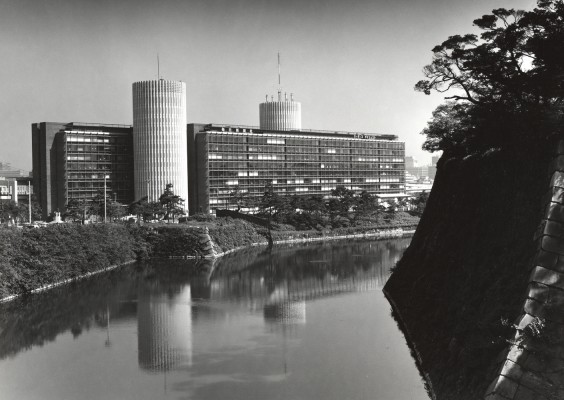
[{"x": 32, "y": 258}]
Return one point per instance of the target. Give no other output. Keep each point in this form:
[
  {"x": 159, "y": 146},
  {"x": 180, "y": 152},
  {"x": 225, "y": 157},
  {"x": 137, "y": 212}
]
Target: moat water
[{"x": 302, "y": 322}]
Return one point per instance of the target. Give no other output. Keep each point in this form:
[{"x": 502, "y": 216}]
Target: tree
[
  {"x": 140, "y": 209},
  {"x": 238, "y": 197},
  {"x": 76, "y": 210},
  {"x": 365, "y": 205},
  {"x": 420, "y": 202},
  {"x": 313, "y": 211},
  {"x": 508, "y": 80},
  {"x": 12, "y": 212},
  {"x": 115, "y": 210},
  {"x": 270, "y": 205},
  {"x": 171, "y": 203},
  {"x": 345, "y": 201}
]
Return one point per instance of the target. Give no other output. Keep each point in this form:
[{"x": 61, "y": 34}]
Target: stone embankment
[
  {"x": 480, "y": 291},
  {"x": 211, "y": 250},
  {"x": 534, "y": 365}
]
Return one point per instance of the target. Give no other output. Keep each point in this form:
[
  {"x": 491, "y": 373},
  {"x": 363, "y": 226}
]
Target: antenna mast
[
  {"x": 158, "y": 67},
  {"x": 279, "y": 86}
]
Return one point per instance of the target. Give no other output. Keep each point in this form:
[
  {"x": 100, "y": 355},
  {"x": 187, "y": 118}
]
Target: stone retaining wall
[
  {"x": 211, "y": 250},
  {"x": 533, "y": 368}
]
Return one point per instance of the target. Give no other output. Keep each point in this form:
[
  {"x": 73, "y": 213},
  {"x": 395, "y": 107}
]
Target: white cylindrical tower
[
  {"x": 281, "y": 115},
  {"x": 159, "y": 139}
]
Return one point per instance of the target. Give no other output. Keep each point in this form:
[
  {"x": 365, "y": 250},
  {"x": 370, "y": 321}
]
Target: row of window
[
  {"x": 310, "y": 142},
  {"x": 303, "y": 181}
]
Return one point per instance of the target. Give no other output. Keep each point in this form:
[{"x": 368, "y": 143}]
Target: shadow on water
[{"x": 160, "y": 294}]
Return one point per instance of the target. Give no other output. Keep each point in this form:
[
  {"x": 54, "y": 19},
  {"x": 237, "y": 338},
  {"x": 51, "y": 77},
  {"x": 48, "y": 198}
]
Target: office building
[
  {"x": 16, "y": 189},
  {"x": 159, "y": 138},
  {"x": 6, "y": 171},
  {"x": 309, "y": 162},
  {"x": 70, "y": 161}
]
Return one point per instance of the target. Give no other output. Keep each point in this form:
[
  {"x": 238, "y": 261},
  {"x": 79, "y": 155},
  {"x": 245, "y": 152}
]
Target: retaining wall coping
[{"x": 548, "y": 277}]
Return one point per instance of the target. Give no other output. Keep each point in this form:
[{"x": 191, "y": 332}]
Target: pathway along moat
[{"x": 301, "y": 322}]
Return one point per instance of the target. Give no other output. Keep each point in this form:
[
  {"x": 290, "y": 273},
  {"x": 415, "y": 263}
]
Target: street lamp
[
  {"x": 105, "y": 176},
  {"x": 29, "y": 199}
]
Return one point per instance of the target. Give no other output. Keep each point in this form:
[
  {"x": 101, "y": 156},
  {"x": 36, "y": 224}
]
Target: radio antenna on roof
[{"x": 158, "y": 67}]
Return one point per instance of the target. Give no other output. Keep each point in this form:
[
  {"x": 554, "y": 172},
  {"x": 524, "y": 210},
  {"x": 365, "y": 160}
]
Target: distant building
[
  {"x": 206, "y": 163},
  {"x": 7, "y": 171},
  {"x": 70, "y": 161},
  {"x": 308, "y": 162},
  {"x": 423, "y": 172},
  {"x": 16, "y": 189}
]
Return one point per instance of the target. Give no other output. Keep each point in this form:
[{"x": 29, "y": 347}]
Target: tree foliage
[
  {"x": 171, "y": 204},
  {"x": 504, "y": 84},
  {"x": 343, "y": 208}
]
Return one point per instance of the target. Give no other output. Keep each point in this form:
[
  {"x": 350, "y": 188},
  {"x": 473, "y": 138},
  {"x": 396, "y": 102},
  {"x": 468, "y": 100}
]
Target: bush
[
  {"x": 36, "y": 257},
  {"x": 232, "y": 233}
]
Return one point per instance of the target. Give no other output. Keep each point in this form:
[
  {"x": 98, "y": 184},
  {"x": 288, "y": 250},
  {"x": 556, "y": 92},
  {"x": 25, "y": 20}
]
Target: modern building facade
[
  {"x": 75, "y": 161},
  {"x": 15, "y": 189},
  {"x": 6, "y": 171},
  {"x": 224, "y": 158},
  {"x": 159, "y": 138}
]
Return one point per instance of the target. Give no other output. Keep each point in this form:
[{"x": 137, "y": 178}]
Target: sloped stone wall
[
  {"x": 534, "y": 366},
  {"x": 464, "y": 278}
]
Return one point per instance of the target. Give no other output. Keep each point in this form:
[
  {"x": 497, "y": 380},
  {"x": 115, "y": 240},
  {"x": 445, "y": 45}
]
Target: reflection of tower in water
[
  {"x": 164, "y": 324},
  {"x": 286, "y": 313}
]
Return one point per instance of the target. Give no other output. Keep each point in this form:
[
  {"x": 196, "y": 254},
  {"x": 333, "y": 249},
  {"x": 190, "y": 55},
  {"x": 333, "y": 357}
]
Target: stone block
[
  {"x": 552, "y": 244},
  {"x": 557, "y": 195},
  {"x": 491, "y": 387},
  {"x": 557, "y": 179},
  {"x": 534, "y": 308},
  {"x": 539, "y": 232},
  {"x": 505, "y": 387},
  {"x": 554, "y": 228},
  {"x": 512, "y": 370},
  {"x": 546, "y": 259},
  {"x": 524, "y": 393},
  {"x": 518, "y": 354},
  {"x": 547, "y": 277},
  {"x": 555, "y": 212},
  {"x": 539, "y": 292}
]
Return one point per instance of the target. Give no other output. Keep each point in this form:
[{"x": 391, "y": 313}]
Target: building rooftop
[{"x": 256, "y": 129}]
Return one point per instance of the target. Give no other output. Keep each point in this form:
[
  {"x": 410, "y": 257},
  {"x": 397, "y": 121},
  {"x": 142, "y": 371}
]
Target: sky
[{"x": 352, "y": 64}]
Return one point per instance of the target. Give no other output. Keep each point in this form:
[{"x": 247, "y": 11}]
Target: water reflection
[
  {"x": 197, "y": 318},
  {"x": 164, "y": 324}
]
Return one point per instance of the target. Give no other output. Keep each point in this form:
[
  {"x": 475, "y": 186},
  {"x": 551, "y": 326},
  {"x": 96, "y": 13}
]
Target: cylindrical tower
[
  {"x": 281, "y": 115},
  {"x": 159, "y": 139}
]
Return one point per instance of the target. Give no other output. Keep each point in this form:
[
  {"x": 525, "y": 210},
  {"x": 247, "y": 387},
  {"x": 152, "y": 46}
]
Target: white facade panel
[
  {"x": 159, "y": 138},
  {"x": 281, "y": 115}
]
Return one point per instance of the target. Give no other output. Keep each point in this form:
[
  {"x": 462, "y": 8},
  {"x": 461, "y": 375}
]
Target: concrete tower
[
  {"x": 281, "y": 115},
  {"x": 159, "y": 138}
]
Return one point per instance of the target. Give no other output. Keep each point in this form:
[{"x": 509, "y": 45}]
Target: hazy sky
[{"x": 352, "y": 64}]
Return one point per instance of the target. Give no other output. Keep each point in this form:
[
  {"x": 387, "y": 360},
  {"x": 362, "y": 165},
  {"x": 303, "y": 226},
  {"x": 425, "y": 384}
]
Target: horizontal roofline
[{"x": 297, "y": 131}]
